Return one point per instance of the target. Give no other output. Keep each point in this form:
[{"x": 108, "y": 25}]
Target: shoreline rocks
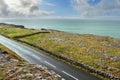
[{"x": 13, "y": 25}]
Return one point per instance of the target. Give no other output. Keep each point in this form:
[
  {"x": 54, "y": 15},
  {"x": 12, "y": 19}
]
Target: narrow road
[{"x": 66, "y": 71}]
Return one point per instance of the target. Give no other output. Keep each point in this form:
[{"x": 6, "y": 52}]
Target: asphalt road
[{"x": 66, "y": 71}]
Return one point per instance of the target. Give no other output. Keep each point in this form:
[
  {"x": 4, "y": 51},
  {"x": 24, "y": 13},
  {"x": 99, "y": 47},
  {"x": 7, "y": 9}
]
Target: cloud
[
  {"x": 48, "y": 4},
  {"x": 18, "y": 8},
  {"x": 97, "y": 7}
]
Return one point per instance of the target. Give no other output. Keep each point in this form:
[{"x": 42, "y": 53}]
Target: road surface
[{"x": 32, "y": 56}]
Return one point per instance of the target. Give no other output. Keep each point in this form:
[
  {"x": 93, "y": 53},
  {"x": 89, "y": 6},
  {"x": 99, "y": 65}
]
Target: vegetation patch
[
  {"x": 93, "y": 50},
  {"x": 14, "y": 31}
]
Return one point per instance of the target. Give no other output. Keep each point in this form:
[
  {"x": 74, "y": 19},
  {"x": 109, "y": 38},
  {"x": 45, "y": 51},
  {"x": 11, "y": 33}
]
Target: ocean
[{"x": 97, "y": 27}]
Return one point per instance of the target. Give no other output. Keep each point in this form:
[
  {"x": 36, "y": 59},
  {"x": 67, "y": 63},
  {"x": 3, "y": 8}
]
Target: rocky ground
[
  {"x": 14, "y": 69},
  {"x": 100, "y": 52}
]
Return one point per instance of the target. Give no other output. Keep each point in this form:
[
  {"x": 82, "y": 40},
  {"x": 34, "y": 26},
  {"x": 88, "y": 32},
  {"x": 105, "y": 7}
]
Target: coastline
[{"x": 105, "y": 28}]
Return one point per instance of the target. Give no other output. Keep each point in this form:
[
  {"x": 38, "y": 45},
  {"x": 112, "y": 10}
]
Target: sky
[{"x": 59, "y": 8}]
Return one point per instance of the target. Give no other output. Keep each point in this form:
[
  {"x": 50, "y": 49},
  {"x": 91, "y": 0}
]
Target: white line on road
[
  {"x": 70, "y": 75},
  {"x": 50, "y": 64},
  {"x": 36, "y": 57}
]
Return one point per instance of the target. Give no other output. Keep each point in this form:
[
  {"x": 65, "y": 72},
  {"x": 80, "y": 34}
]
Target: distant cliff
[{"x": 13, "y": 25}]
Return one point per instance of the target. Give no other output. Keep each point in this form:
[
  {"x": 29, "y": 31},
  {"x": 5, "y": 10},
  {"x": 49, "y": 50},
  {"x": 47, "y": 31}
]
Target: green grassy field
[
  {"x": 12, "y": 31},
  {"x": 95, "y": 51}
]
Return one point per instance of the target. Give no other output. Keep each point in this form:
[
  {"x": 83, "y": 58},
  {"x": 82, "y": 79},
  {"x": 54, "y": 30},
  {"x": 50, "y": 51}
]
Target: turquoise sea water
[{"x": 98, "y": 27}]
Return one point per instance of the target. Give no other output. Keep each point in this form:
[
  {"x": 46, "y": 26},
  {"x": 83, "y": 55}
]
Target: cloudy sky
[{"x": 59, "y": 8}]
